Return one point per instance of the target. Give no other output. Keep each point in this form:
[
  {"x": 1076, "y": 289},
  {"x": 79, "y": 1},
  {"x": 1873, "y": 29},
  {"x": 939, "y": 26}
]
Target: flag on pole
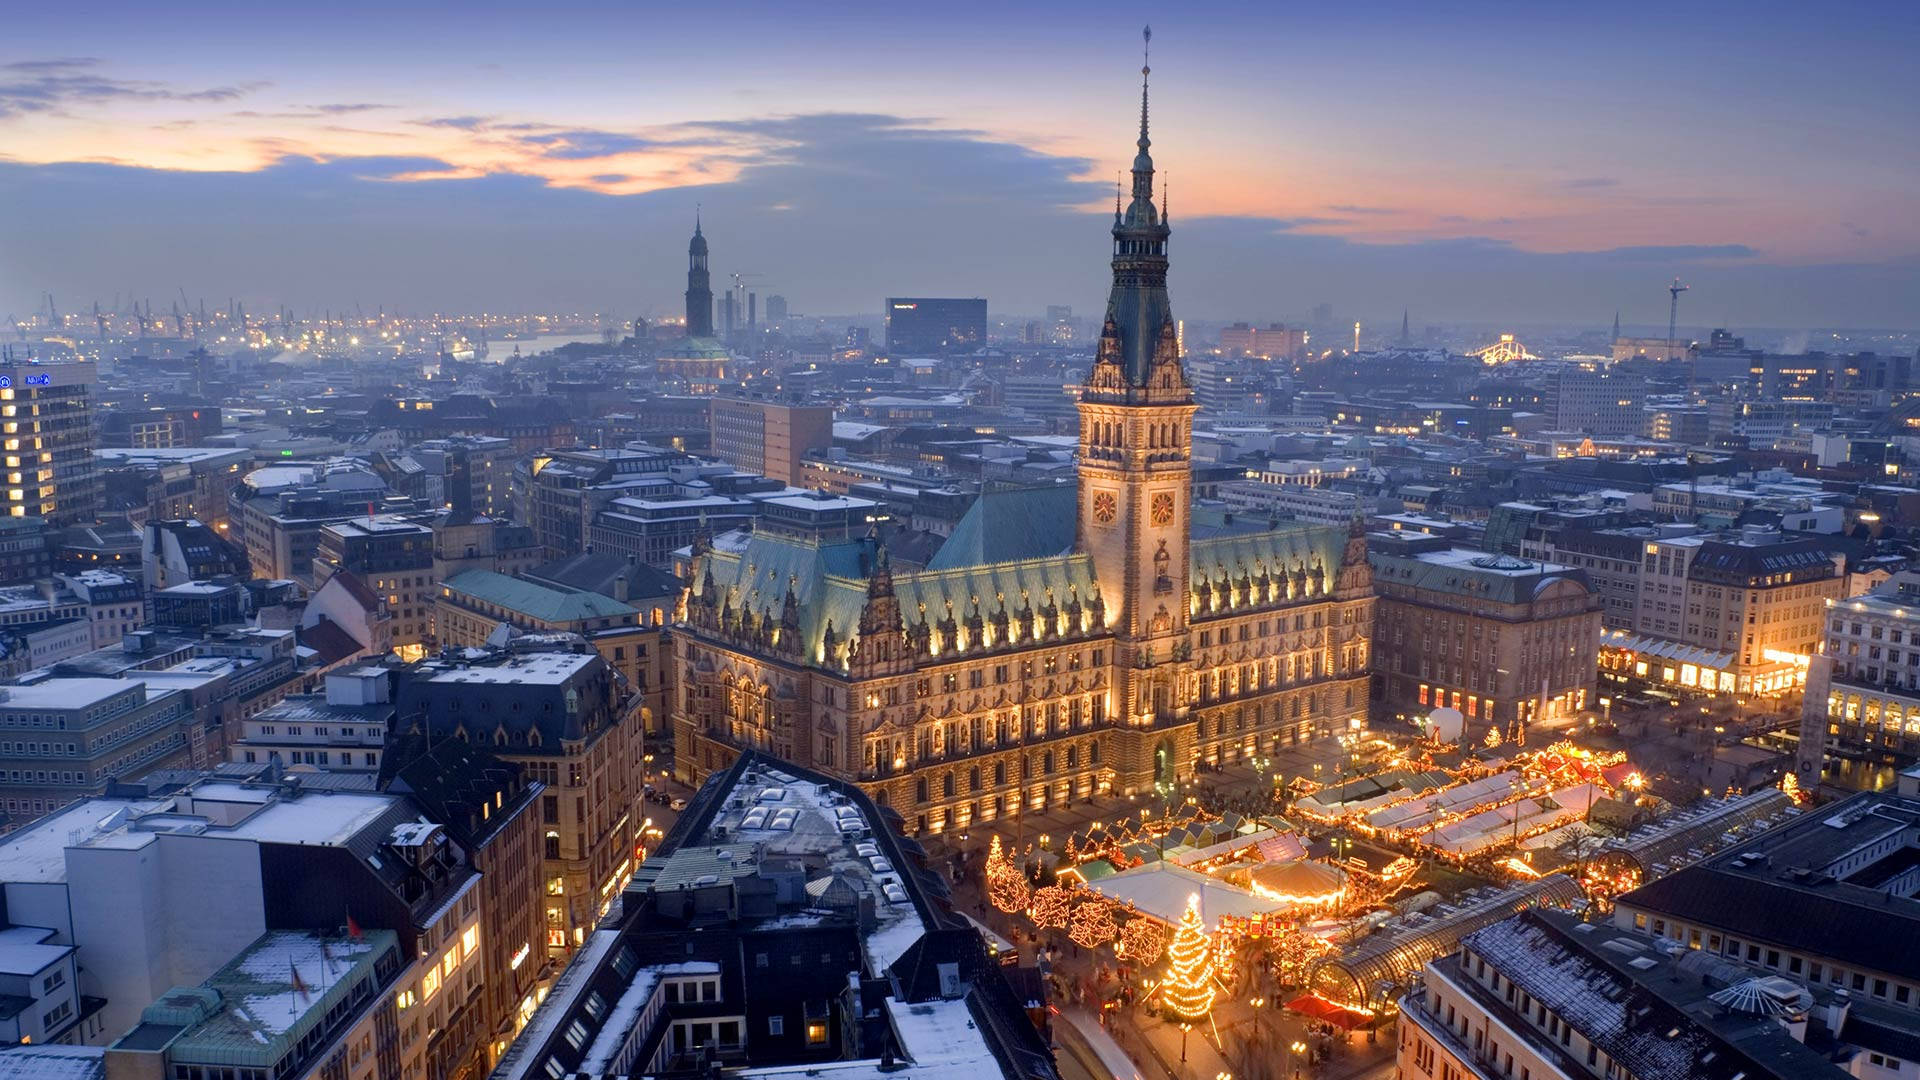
[{"x": 353, "y": 928}]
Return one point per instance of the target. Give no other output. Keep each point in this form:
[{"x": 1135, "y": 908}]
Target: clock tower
[{"x": 1136, "y": 462}]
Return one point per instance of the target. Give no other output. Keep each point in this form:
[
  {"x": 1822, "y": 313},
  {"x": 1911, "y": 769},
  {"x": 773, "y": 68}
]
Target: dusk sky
[{"x": 1491, "y": 162}]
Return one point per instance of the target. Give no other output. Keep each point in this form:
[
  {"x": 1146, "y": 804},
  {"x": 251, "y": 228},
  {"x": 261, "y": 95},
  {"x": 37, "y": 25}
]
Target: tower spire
[
  {"x": 1146, "y": 48},
  {"x": 1138, "y": 312}
]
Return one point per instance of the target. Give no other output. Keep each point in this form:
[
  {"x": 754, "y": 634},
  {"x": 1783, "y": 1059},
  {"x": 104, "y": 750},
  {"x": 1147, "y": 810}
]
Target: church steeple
[
  {"x": 699, "y": 287},
  {"x": 1138, "y": 332}
]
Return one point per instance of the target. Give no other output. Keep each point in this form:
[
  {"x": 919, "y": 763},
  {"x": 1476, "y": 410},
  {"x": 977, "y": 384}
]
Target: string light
[{"x": 1187, "y": 993}]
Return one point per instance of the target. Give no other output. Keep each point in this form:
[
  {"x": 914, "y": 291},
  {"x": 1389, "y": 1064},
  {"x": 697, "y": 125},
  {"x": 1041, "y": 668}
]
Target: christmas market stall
[
  {"x": 1508, "y": 825},
  {"x": 1369, "y": 793}
]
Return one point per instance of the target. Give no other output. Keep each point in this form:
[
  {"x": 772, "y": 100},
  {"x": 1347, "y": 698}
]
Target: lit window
[{"x": 470, "y": 941}]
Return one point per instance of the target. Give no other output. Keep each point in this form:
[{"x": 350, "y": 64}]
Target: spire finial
[
  {"x": 1166, "y": 200},
  {"x": 696, "y": 219},
  {"x": 1146, "y": 45},
  {"x": 1117, "y": 173}
]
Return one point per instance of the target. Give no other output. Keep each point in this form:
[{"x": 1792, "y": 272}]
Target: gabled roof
[
  {"x": 451, "y": 779},
  {"x": 598, "y": 573},
  {"x": 357, "y": 589},
  {"x": 1004, "y": 526},
  {"x": 329, "y": 641}
]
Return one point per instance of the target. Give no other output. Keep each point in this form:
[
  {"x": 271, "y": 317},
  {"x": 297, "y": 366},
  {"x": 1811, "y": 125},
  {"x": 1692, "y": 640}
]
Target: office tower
[
  {"x": 48, "y": 442},
  {"x": 919, "y": 324},
  {"x": 769, "y": 438},
  {"x": 776, "y": 308}
]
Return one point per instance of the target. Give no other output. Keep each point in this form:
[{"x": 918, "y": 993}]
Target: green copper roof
[
  {"x": 695, "y": 348},
  {"x": 262, "y": 1014},
  {"x": 1025, "y": 583},
  {"x": 1002, "y": 526},
  {"x": 1282, "y": 547},
  {"x": 540, "y": 602}
]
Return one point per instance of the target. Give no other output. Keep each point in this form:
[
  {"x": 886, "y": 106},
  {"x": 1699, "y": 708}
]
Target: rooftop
[
  {"x": 545, "y": 603},
  {"x": 1813, "y": 885},
  {"x": 547, "y": 668},
  {"x": 277, "y": 991}
]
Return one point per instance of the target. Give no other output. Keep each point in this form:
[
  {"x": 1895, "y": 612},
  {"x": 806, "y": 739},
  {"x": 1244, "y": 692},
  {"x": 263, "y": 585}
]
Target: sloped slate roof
[
  {"x": 829, "y": 582},
  {"x": 1280, "y": 547},
  {"x": 1003, "y": 526},
  {"x": 1028, "y": 582},
  {"x": 543, "y": 602}
]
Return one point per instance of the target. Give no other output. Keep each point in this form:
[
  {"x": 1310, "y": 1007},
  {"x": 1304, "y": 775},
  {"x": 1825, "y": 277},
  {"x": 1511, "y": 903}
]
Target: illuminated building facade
[
  {"x": 1734, "y": 612},
  {"x": 571, "y": 723},
  {"x": 1503, "y": 640},
  {"x": 46, "y": 436},
  {"x": 1871, "y": 710},
  {"x": 1062, "y": 642}
]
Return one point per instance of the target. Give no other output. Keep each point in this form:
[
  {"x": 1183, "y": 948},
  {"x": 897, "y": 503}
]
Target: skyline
[{"x": 1567, "y": 170}]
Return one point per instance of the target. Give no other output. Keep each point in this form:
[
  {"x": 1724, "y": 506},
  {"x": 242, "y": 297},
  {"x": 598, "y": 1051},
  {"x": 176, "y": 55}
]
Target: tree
[
  {"x": 1142, "y": 940},
  {"x": 1187, "y": 993},
  {"x": 1790, "y": 784},
  {"x": 1050, "y": 907},
  {"x": 1006, "y": 886},
  {"x": 1093, "y": 923}
]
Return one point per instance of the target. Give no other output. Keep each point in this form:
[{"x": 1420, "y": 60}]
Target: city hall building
[{"x": 1096, "y": 638}]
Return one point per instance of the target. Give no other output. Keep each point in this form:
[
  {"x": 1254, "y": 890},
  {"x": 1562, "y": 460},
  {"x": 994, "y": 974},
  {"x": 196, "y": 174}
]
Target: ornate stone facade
[{"x": 1166, "y": 634}]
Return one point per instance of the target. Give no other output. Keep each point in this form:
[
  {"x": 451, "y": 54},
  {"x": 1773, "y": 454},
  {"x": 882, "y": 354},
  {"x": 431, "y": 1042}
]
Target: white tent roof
[{"x": 1160, "y": 890}]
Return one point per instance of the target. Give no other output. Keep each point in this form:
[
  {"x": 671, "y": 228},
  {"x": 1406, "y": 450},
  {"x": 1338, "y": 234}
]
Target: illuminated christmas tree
[
  {"x": 1142, "y": 940},
  {"x": 1006, "y": 886},
  {"x": 1493, "y": 737},
  {"x": 1093, "y": 923},
  {"x": 1188, "y": 992},
  {"x": 1050, "y": 907},
  {"x": 1791, "y": 785}
]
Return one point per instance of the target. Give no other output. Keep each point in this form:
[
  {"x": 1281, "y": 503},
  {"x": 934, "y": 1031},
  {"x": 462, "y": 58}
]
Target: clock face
[
  {"x": 1104, "y": 507},
  {"x": 1163, "y": 508}
]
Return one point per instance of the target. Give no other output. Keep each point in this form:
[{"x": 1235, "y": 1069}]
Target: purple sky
[{"x": 1497, "y": 162}]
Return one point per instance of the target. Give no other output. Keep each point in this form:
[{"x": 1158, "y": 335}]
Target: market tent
[
  {"x": 1301, "y": 882},
  {"x": 1187, "y": 856},
  {"x": 1340, "y": 1016},
  {"x": 1159, "y": 890}
]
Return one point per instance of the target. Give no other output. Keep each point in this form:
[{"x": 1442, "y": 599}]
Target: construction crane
[{"x": 1673, "y": 319}]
